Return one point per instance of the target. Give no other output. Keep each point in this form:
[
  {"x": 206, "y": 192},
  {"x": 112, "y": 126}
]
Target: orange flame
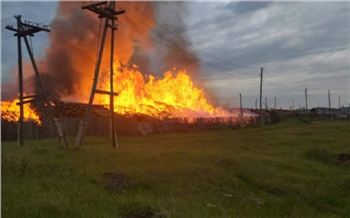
[
  {"x": 173, "y": 96},
  {"x": 10, "y": 112}
]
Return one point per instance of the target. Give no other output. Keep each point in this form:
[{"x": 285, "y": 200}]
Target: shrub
[{"x": 275, "y": 117}]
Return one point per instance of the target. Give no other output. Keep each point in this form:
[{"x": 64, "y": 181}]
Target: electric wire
[
  {"x": 6, "y": 38},
  {"x": 66, "y": 11},
  {"x": 213, "y": 66},
  {"x": 7, "y": 18},
  {"x": 162, "y": 36},
  {"x": 190, "y": 44},
  {"x": 282, "y": 89}
]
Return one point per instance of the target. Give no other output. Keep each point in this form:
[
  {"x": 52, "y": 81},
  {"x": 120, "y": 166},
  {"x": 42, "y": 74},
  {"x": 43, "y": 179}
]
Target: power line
[
  {"x": 283, "y": 89},
  {"x": 280, "y": 87},
  {"x": 178, "y": 47},
  {"x": 186, "y": 42},
  {"x": 7, "y": 18},
  {"x": 8, "y": 37},
  {"x": 162, "y": 43},
  {"x": 216, "y": 67},
  {"x": 65, "y": 21},
  {"x": 66, "y": 11},
  {"x": 213, "y": 66},
  {"x": 3, "y": 28}
]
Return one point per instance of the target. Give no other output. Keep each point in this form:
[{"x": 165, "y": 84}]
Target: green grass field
[{"x": 289, "y": 169}]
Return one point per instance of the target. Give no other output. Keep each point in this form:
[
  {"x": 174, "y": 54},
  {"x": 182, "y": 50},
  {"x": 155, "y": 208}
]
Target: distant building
[
  {"x": 345, "y": 110},
  {"x": 342, "y": 112}
]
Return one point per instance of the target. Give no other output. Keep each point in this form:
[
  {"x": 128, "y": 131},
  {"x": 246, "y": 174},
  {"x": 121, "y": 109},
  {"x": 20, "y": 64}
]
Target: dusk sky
[{"x": 299, "y": 44}]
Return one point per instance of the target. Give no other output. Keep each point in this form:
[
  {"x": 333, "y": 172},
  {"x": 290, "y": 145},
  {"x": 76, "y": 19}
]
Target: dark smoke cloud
[
  {"x": 75, "y": 33},
  {"x": 70, "y": 60},
  {"x": 177, "y": 53},
  {"x": 9, "y": 91},
  {"x": 71, "y": 51}
]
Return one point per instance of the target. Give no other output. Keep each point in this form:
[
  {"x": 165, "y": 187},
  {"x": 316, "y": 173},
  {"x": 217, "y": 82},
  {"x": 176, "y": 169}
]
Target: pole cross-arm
[{"x": 103, "y": 11}]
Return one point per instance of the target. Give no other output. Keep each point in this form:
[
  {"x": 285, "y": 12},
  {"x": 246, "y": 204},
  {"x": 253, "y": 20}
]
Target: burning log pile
[
  {"x": 77, "y": 110},
  {"x": 70, "y": 115},
  {"x": 10, "y": 112},
  {"x": 147, "y": 102}
]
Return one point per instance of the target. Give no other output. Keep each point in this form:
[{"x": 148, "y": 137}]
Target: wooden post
[
  {"x": 83, "y": 123},
  {"x": 111, "y": 101},
  {"x": 261, "y": 114},
  {"x": 329, "y": 99},
  {"x": 306, "y": 99},
  {"x": 24, "y": 29},
  {"x": 110, "y": 14},
  {"x": 20, "y": 82},
  {"x": 240, "y": 100},
  {"x": 54, "y": 119}
]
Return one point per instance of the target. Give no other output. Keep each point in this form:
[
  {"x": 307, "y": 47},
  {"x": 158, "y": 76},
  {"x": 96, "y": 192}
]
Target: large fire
[
  {"x": 173, "y": 96},
  {"x": 10, "y": 112},
  {"x": 69, "y": 65}
]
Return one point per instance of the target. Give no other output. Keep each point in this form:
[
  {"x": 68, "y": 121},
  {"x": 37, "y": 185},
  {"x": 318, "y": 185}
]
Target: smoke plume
[
  {"x": 171, "y": 30},
  {"x": 68, "y": 68},
  {"x": 74, "y": 39}
]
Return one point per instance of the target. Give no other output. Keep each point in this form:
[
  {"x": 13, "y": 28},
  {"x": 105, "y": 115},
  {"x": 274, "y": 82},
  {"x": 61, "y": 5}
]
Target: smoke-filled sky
[{"x": 224, "y": 45}]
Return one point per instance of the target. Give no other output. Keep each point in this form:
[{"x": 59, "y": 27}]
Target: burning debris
[
  {"x": 138, "y": 93},
  {"x": 173, "y": 96},
  {"x": 70, "y": 62},
  {"x": 10, "y": 112}
]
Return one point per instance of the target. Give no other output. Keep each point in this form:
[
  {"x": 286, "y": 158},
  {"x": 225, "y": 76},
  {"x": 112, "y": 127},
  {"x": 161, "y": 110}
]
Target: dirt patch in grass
[
  {"x": 141, "y": 211},
  {"x": 142, "y": 214},
  {"x": 344, "y": 158},
  {"x": 327, "y": 157},
  {"x": 117, "y": 181}
]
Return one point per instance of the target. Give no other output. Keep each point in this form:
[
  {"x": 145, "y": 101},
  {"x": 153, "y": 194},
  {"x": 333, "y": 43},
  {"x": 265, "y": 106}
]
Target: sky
[{"x": 299, "y": 44}]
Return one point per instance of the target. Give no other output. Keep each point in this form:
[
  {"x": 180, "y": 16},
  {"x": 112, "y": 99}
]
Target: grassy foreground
[{"x": 284, "y": 170}]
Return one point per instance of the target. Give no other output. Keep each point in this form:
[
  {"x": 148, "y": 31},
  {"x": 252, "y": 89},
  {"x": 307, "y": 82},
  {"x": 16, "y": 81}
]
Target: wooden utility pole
[
  {"x": 275, "y": 104},
  {"x": 111, "y": 101},
  {"x": 329, "y": 99},
  {"x": 24, "y": 29},
  {"x": 20, "y": 82},
  {"x": 240, "y": 100},
  {"x": 261, "y": 114},
  {"x": 306, "y": 99},
  {"x": 110, "y": 14}
]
